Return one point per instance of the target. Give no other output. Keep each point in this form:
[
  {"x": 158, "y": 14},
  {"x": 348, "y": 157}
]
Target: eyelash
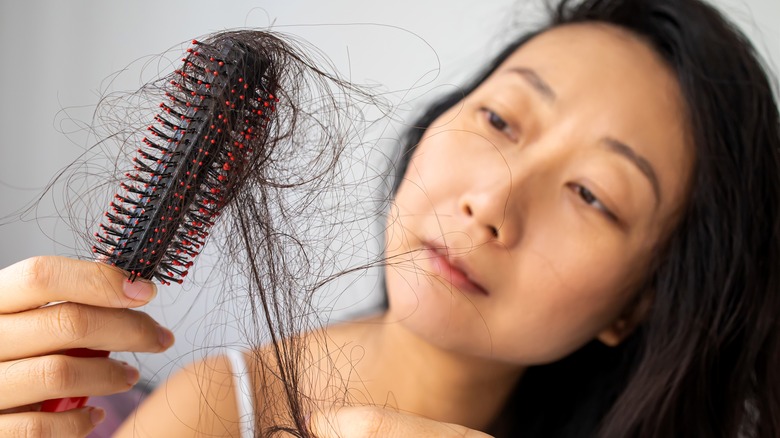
[
  {"x": 589, "y": 198},
  {"x": 583, "y": 192},
  {"x": 499, "y": 124}
]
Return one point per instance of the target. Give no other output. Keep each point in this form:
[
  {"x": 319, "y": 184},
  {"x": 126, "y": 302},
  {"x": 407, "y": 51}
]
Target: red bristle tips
[{"x": 133, "y": 231}]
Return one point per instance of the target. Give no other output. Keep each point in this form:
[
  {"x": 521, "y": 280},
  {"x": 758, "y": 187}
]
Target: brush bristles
[{"x": 216, "y": 114}]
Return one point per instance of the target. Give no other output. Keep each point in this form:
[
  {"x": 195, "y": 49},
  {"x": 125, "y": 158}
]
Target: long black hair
[{"x": 706, "y": 360}]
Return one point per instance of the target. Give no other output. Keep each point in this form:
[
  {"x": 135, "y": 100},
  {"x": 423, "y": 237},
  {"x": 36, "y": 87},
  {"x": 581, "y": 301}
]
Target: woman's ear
[{"x": 628, "y": 321}]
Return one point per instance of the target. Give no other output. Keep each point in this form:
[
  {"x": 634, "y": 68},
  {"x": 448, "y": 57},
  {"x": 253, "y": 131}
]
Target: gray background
[{"x": 58, "y": 59}]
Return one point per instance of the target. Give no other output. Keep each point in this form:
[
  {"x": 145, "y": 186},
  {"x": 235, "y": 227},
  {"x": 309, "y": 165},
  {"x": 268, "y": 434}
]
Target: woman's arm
[{"x": 198, "y": 400}]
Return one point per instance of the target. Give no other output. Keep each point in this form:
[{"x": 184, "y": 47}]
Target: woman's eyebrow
[
  {"x": 637, "y": 160},
  {"x": 536, "y": 82},
  {"x": 617, "y": 146}
]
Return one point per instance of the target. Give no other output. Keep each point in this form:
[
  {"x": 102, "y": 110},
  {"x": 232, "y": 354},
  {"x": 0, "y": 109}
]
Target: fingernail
[
  {"x": 132, "y": 374},
  {"x": 165, "y": 336},
  {"x": 140, "y": 290},
  {"x": 96, "y": 416}
]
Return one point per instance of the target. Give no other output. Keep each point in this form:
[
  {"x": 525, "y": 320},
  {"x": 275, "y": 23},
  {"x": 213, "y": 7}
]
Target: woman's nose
[{"x": 492, "y": 213}]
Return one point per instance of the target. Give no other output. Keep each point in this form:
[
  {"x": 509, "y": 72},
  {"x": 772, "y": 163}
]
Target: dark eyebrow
[
  {"x": 640, "y": 162},
  {"x": 614, "y": 145},
  {"x": 536, "y": 82}
]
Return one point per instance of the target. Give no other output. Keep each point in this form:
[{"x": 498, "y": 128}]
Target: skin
[
  {"x": 506, "y": 197},
  {"x": 545, "y": 271},
  {"x": 557, "y": 227}
]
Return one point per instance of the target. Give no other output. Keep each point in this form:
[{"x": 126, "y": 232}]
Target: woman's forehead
[{"x": 597, "y": 58}]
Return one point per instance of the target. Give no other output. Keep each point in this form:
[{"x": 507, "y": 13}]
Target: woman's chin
[{"x": 438, "y": 318}]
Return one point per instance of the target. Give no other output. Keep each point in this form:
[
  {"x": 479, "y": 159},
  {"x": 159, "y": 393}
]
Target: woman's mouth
[{"x": 451, "y": 272}]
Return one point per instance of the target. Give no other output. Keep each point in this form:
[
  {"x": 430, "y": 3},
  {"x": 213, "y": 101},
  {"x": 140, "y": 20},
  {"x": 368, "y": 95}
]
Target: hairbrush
[{"x": 205, "y": 139}]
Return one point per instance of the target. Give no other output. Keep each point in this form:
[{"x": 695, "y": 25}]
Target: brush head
[{"x": 206, "y": 136}]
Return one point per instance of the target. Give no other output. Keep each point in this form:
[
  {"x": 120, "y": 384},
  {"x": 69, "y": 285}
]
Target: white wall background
[{"x": 58, "y": 58}]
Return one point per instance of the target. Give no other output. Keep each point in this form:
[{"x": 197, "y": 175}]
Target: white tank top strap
[{"x": 244, "y": 392}]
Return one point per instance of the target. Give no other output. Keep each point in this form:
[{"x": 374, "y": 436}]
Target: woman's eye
[
  {"x": 591, "y": 199},
  {"x": 496, "y": 121},
  {"x": 499, "y": 123}
]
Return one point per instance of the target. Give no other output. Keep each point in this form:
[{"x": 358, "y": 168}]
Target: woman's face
[{"x": 530, "y": 210}]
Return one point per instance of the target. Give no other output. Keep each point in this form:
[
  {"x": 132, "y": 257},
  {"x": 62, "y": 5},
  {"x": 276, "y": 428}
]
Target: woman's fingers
[
  {"x": 69, "y": 325},
  {"x": 35, "y": 379},
  {"x": 87, "y": 308},
  {"x": 73, "y": 423},
  {"x": 37, "y": 281}
]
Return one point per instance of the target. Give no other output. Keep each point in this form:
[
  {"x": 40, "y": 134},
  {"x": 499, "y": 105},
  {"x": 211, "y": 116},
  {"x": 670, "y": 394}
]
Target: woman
[{"x": 582, "y": 244}]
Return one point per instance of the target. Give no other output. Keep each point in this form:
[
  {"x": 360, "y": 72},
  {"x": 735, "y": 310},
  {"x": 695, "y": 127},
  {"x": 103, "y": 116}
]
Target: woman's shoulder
[
  {"x": 197, "y": 400},
  {"x": 223, "y": 394},
  {"x": 322, "y": 362}
]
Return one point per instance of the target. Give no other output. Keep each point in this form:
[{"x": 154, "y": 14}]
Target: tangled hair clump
[
  {"x": 705, "y": 361},
  {"x": 278, "y": 237}
]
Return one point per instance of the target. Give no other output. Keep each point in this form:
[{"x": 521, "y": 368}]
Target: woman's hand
[
  {"x": 95, "y": 315},
  {"x": 375, "y": 422}
]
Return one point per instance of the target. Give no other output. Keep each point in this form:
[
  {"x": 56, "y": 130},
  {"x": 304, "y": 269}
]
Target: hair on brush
[
  {"x": 207, "y": 136},
  {"x": 220, "y": 147},
  {"x": 209, "y": 132}
]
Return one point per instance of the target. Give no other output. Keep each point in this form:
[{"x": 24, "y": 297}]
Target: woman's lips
[{"x": 451, "y": 273}]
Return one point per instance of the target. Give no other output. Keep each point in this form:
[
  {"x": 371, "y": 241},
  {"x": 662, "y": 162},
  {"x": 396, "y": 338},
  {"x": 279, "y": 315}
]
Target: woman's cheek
[{"x": 559, "y": 300}]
